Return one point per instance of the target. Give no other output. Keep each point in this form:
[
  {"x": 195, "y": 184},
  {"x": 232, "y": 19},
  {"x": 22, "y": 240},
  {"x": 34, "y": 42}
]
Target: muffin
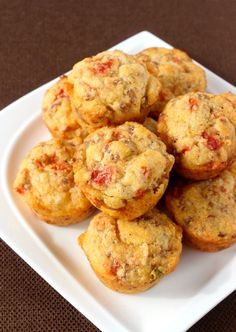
[
  {"x": 197, "y": 130},
  {"x": 123, "y": 171},
  {"x": 58, "y": 113},
  {"x": 46, "y": 183},
  {"x": 132, "y": 257},
  {"x": 111, "y": 88},
  {"x": 175, "y": 70},
  {"x": 206, "y": 210}
]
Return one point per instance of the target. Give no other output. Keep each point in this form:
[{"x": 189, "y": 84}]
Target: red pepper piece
[
  {"x": 115, "y": 266},
  {"x": 102, "y": 67},
  {"x": 102, "y": 176},
  {"x": 20, "y": 190},
  {"x": 60, "y": 94},
  {"x": 39, "y": 164},
  {"x": 212, "y": 142},
  {"x": 186, "y": 148}
]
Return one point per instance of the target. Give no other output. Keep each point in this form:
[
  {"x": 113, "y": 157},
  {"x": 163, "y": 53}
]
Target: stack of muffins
[{"x": 107, "y": 154}]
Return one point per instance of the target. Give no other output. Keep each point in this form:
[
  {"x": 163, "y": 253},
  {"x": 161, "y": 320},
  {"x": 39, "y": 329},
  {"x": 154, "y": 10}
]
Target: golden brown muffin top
[
  {"x": 123, "y": 163},
  {"x": 137, "y": 252},
  {"x": 197, "y": 130},
  {"x": 46, "y": 176},
  {"x": 207, "y": 208},
  {"x": 111, "y": 88},
  {"x": 175, "y": 70}
]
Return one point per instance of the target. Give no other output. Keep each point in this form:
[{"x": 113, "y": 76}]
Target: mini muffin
[
  {"x": 58, "y": 113},
  {"x": 151, "y": 125},
  {"x": 197, "y": 131},
  {"x": 111, "y": 88},
  {"x": 46, "y": 183},
  {"x": 175, "y": 70},
  {"x": 206, "y": 210},
  {"x": 124, "y": 170},
  {"x": 132, "y": 257}
]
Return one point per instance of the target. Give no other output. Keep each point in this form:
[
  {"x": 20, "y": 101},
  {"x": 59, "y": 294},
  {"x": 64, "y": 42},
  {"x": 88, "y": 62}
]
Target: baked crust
[
  {"x": 132, "y": 257},
  {"x": 111, "y": 88},
  {"x": 206, "y": 210},
  {"x": 46, "y": 183},
  {"x": 123, "y": 171},
  {"x": 175, "y": 70},
  {"x": 197, "y": 130}
]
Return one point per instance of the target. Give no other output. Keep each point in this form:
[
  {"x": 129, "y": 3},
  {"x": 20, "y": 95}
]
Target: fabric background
[{"x": 41, "y": 40}]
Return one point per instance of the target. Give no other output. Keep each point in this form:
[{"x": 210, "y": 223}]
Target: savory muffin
[
  {"x": 111, "y": 88},
  {"x": 197, "y": 130},
  {"x": 130, "y": 257},
  {"x": 46, "y": 183},
  {"x": 123, "y": 171},
  {"x": 175, "y": 70},
  {"x": 206, "y": 210},
  {"x": 58, "y": 112}
]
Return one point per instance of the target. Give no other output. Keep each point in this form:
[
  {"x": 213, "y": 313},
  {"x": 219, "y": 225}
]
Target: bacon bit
[
  {"x": 212, "y": 142},
  {"x": 115, "y": 136},
  {"x": 60, "y": 94},
  {"x": 103, "y": 176},
  {"x": 186, "y": 148},
  {"x": 193, "y": 104},
  {"x": 39, "y": 164},
  {"x": 115, "y": 266},
  {"x": 52, "y": 161},
  {"x": 20, "y": 190},
  {"x": 139, "y": 193},
  {"x": 162, "y": 96},
  {"x": 102, "y": 67},
  {"x": 145, "y": 171}
]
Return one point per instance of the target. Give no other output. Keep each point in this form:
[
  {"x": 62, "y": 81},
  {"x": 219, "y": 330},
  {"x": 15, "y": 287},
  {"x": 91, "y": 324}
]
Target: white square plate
[{"x": 200, "y": 281}]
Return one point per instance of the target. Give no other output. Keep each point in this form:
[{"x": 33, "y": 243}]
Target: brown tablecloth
[{"x": 41, "y": 40}]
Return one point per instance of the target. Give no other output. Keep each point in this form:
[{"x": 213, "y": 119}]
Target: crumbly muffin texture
[
  {"x": 46, "y": 183},
  {"x": 229, "y": 107},
  {"x": 197, "y": 130},
  {"x": 58, "y": 112},
  {"x": 132, "y": 257},
  {"x": 175, "y": 70},
  {"x": 123, "y": 170},
  {"x": 111, "y": 88},
  {"x": 206, "y": 210}
]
